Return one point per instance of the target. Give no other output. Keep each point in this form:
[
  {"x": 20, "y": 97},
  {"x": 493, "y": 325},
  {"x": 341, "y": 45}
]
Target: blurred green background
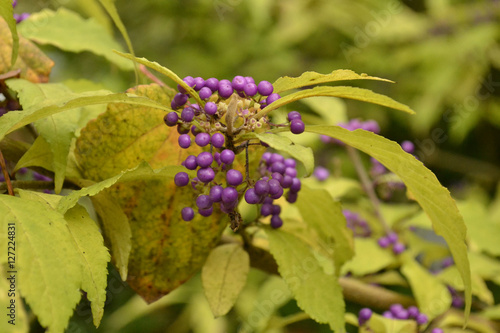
[{"x": 444, "y": 56}]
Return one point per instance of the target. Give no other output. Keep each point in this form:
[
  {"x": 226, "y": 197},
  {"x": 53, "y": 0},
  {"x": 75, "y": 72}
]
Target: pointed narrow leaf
[
  {"x": 94, "y": 257},
  {"x": 48, "y": 265},
  {"x": 69, "y": 31},
  {"x": 433, "y": 298},
  {"x": 223, "y": 276},
  {"x": 284, "y": 144},
  {"x": 7, "y": 13},
  {"x": 313, "y": 78},
  {"x": 317, "y": 293},
  {"x": 165, "y": 71},
  {"x": 329, "y": 222},
  {"x": 434, "y": 199},
  {"x": 359, "y": 94}
]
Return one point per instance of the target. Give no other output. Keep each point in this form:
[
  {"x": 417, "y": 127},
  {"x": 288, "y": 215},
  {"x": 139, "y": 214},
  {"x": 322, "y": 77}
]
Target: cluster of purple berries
[
  {"x": 391, "y": 239},
  {"x": 277, "y": 174},
  {"x": 396, "y": 311},
  {"x": 19, "y": 17},
  {"x": 357, "y": 224},
  {"x": 228, "y": 109}
]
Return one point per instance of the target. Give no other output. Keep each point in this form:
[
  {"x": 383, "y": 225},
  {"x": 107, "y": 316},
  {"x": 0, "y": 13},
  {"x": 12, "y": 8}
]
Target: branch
[{"x": 8, "y": 184}]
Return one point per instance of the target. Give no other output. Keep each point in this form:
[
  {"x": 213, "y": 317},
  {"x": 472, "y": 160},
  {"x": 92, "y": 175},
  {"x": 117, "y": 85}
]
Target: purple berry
[
  {"x": 187, "y": 114},
  {"x": 294, "y": 115},
  {"x": 287, "y": 181},
  {"x": 187, "y": 213},
  {"x": 189, "y": 81},
  {"x": 210, "y": 108},
  {"x": 171, "y": 119},
  {"x": 203, "y": 202},
  {"x": 402, "y": 314},
  {"x": 388, "y": 314},
  {"x": 238, "y": 83},
  {"x": 202, "y": 139},
  {"x": 276, "y": 221},
  {"x": 249, "y": 79},
  {"x": 206, "y": 212},
  {"x": 225, "y": 90},
  {"x": 180, "y": 99},
  {"x": 413, "y": 311},
  {"x": 266, "y": 209},
  {"x": 398, "y": 248},
  {"x": 212, "y": 83},
  {"x": 206, "y": 175},
  {"x": 227, "y": 156},
  {"x": 266, "y": 156},
  {"x": 296, "y": 185},
  {"x": 395, "y": 308},
  {"x": 184, "y": 141},
  {"x": 229, "y": 195},
  {"x": 261, "y": 187},
  {"x": 250, "y": 89},
  {"x": 278, "y": 167},
  {"x": 421, "y": 319},
  {"x": 198, "y": 83},
  {"x": 265, "y": 88},
  {"x": 277, "y": 176},
  {"x": 392, "y": 237},
  {"x": 218, "y": 140},
  {"x": 181, "y": 179},
  {"x": 275, "y": 157},
  {"x": 321, "y": 173},
  {"x": 190, "y": 162},
  {"x": 216, "y": 193},
  {"x": 383, "y": 242},
  {"x": 204, "y": 159},
  {"x": 297, "y": 126},
  {"x": 437, "y": 330},
  {"x": 277, "y": 194},
  {"x": 252, "y": 197},
  {"x": 370, "y": 125},
  {"x": 364, "y": 315},
  {"x": 205, "y": 93},
  {"x": 292, "y": 197},
  {"x": 408, "y": 146},
  {"x": 272, "y": 98},
  {"x": 292, "y": 172},
  {"x": 234, "y": 177},
  {"x": 290, "y": 163}
]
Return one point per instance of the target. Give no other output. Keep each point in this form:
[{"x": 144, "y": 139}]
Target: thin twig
[
  {"x": 367, "y": 185},
  {"x": 151, "y": 76},
  {"x": 6, "y": 175}
]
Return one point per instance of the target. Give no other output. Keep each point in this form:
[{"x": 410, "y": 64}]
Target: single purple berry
[
  {"x": 388, "y": 314},
  {"x": 275, "y": 157},
  {"x": 272, "y": 98},
  {"x": 205, "y": 93},
  {"x": 206, "y": 175},
  {"x": 277, "y": 176},
  {"x": 184, "y": 141},
  {"x": 392, "y": 237},
  {"x": 225, "y": 90},
  {"x": 287, "y": 181},
  {"x": 292, "y": 172},
  {"x": 383, "y": 242},
  {"x": 250, "y": 89},
  {"x": 398, "y": 248},
  {"x": 266, "y": 156},
  {"x": 218, "y": 140},
  {"x": 229, "y": 195},
  {"x": 294, "y": 115},
  {"x": 290, "y": 163},
  {"x": 278, "y": 167},
  {"x": 395, "y": 308},
  {"x": 203, "y": 201},
  {"x": 297, "y": 126},
  {"x": 437, "y": 330},
  {"x": 198, "y": 83},
  {"x": 227, "y": 156},
  {"x": 370, "y": 125},
  {"x": 321, "y": 173},
  {"x": 265, "y": 88},
  {"x": 204, "y": 159},
  {"x": 216, "y": 193},
  {"x": 275, "y": 192},
  {"x": 261, "y": 187},
  {"x": 212, "y": 83},
  {"x": 421, "y": 319},
  {"x": 249, "y": 79},
  {"x": 187, "y": 114},
  {"x": 292, "y": 197},
  {"x": 187, "y": 213},
  {"x": 234, "y": 177},
  {"x": 266, "y": 209},
  {"x": 413, "y": 312},
  {"x": 181, "y": 99},
  {"x": 364, "y": 315},
  {"x": 296, "y": 185},
  {"x": 206, "y": 212},
  {"x": 210, "y": 108},
  {"x": 171, "y": 119},
  {"x": 190, "y": 162},
  {"x": 408, "y": 146},
  {"x": 202, "y": 139},
  {"x": 252, "y": 197},
  {"x": 402, "y": 314},
  {"x": 276, "y": 221},
  {"x": 181, "y": 179},
  {"x": 238, "y": 83}
]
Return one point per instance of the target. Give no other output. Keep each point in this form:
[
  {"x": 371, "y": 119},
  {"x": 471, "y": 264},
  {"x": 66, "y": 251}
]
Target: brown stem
[
  {"x": 151, "y": 76},
  {"x": 6, "y": 175}
]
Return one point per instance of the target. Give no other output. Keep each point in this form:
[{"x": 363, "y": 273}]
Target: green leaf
[
  {"x": 433, "y": 298},
  {"x": 48, "y": 264},
  {"x": 328, "y": 221},
  {"x": 117, "y": 230},
  {"x": 7, "y": 13},
  {"x": 359, "y": 94},
  {"x": 94, "y": 256},
  {"x": 492, "y": 312},
  {"x": 39, "y": 154},
  {"x": 313, "y": 78},
  {"x": 15, "y": 120},
  {"x": 363, "y": 264},
  {"x": 33, "y": 63},
  {"x": 317, "y": 293},
  {"x": 380, "y": 324},
  {"x": 223, "y": 276},
  {"x": 284, "y": 144},
  {"x": 434, "y": 199},
  {"x": 68, "y": 31},
  {"x": 165, "y": 71},
  {"x": 485, "y": 266},
  {"x": 451, "y": 277}
]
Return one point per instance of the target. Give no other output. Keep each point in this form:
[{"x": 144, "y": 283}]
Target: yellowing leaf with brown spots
[
  {"x": 34, "y": 64},
  {"x": 166, "y": 251}
]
